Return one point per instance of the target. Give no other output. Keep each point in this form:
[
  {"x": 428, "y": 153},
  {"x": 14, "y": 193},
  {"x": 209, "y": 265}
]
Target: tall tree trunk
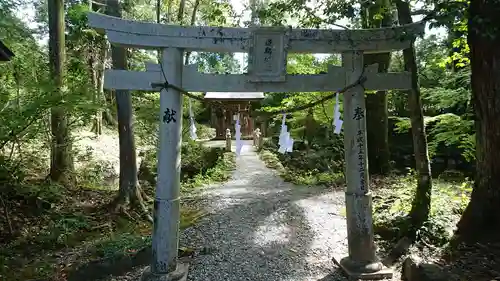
[
  {"x": 96, "y": 79},
  {"x": 100, "y": 88},
  {"x": 422, "y": 201},
  {"x": 180, "y": 14},
  {"x": 61, "y": 166},
  {"x": 129, "y": 189},
  {"x": 169, "y": 10},
  {"x": 105, "y": 112},
  {"x": 107, "y": 115},
  {"x": 482, "y": 215},
  {"x": 193, "y": 21},
  {"x": 377, "y": 121},
  {"x": 97, "y": 62},
  {"x": 158, "y": 11},
  {"x": 376, "y": 104},
  {"x": 158, "y": 19},
  {"x": 309, "y": 127},
  {"x": 93, "y": 80},
  {"x": 108, "y": 96},
  {"x": 254, "y": 17}
]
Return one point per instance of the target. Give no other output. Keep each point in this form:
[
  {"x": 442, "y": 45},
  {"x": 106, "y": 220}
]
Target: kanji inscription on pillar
[{"x": 267, "y": 56}]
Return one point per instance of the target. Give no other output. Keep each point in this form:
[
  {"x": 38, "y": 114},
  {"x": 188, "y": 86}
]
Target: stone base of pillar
[
  {"x": 357, "y": 271},
  {"x": 180, "y": 274}
]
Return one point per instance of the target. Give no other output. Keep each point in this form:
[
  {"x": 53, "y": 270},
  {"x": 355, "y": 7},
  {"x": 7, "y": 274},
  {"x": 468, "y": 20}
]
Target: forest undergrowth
[{"x": 59, "y": 233}]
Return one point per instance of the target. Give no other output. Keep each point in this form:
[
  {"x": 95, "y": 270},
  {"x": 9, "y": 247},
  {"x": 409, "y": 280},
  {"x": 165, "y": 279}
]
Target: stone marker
[{"x": 228, "y": 140}]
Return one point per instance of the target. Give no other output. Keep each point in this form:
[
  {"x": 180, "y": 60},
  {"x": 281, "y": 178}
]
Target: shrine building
[{"x": 225, "y": 105}]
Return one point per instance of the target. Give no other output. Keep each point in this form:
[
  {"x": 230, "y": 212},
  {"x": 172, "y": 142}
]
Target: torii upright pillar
[{"x": 166, "y": 212}]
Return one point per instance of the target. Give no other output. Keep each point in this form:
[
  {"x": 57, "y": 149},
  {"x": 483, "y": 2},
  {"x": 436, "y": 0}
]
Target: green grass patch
[
  {"x": 392, "y": 204},
  {"x": 200, "y": 165},
  {"x": 271, "y": 160},
  {"x": 219, "y": 172},
  {"x": 313, "y": 177},
  {"x": 296, "y": 175},
  {"x": 131, "y": 238}
]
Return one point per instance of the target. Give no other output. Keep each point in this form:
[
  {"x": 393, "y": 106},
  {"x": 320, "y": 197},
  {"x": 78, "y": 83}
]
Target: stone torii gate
[{"x": 267, "y": 48}]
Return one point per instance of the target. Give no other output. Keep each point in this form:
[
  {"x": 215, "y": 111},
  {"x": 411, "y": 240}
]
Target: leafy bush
[
  {"x": 449, "y": 137},
  {"x": 322, "y": 164},
  {"x": 98, "y": 174},
  {"x": 197, "y": 159},
  {"x": 121, "y": 244},
  {"x": 392, "y": 204},
  {"x": 198, "y": 163}
]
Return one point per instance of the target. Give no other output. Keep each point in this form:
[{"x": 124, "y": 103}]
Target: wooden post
[
  {"x": 213, "y": 120},
  {"x": 220, "y": 123},
  {"x": 362, "y": 259},
  {"x": 263, "y": 132},
  {"x": 228, "y": 140},
  {"x": 229, "y": 120},
  {"x": 262, "y": 125},
  {"x": 224, "y": 122},
  {"x": 250, "y": 123},
  {"x": 166, "y": 212}
]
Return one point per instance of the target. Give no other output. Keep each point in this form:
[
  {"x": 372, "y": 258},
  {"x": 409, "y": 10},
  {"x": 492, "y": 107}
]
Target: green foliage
[
  {"x": 271, "y": 160},
  {"x": 202, "y": 162},
  {"x": 320, "y": 166},
  {"x": 98, "y": 175},
  {"x": 306, "y": 15},
  {"x": 445, "y": 95},
  {"x": 220, "y": 63},
  {"x": 67, "y": 227},
  {"x": 447, "y": 130},
  {"x": 129, "y": 239},
  {"x": 42, "y": 193},
  {"x": 16, "y": 180},
  {"x": 454, "y": 16},
  {"x": 392, "y": 204},
  {"x": 121, "y": 244},
  {"x": 452, "y": 130},
  {"x": 59, "y": 218},
  {"x": 197, "y": 158},
  {"x": 199, "y": 165},
  {"x": 147, "y": 110}
]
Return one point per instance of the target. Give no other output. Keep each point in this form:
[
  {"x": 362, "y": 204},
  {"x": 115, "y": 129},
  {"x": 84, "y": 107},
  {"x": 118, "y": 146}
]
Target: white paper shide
[
  {"x": 192, "y": 126},
  {"x": 285, "y": 140},
  {"x": 237, "y": 131},
  {"x": 337, "y": 122}
]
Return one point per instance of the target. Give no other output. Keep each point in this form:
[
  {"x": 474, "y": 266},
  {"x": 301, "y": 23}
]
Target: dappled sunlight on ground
[{"x": 273, "y": 230}]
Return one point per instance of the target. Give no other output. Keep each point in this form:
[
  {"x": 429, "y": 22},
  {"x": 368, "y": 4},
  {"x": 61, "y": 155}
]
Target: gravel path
[{"x": 262, "y": 228}]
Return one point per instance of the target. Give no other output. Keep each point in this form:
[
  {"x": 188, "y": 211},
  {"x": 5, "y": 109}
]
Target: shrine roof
[
  {"x": 5, "y": 53},
  {"x": 235, "y": 96}
]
